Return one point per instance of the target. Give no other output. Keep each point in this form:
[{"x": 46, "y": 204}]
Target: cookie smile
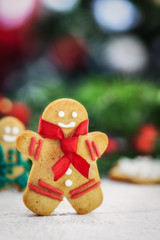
[
  {"x": 8, "y": 138},
  {"x": 69, "y": 125}
]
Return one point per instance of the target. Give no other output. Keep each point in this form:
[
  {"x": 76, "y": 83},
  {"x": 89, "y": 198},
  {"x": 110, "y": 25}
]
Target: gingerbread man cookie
[
  {"x": 64, "y": 158},
  {"x": 13, "y": 169}
]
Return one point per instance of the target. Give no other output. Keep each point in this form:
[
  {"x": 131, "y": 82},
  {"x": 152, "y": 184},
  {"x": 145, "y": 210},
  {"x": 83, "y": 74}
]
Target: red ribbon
[{"x": 68, "y": 146}]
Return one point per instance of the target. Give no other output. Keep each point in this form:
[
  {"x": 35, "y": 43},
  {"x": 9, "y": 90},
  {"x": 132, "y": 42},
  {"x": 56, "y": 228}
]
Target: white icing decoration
[
  {"x": 68, "y": 183},
  {"x": 141, "y": 167},
  {"x": 61, "y": 114},
  {"x": 69, "y": 125},
  {"x": 7, "y": 129},
  {"x": 74, "y": 114},
  {"x": 8, "y": 138},
  {"x": 69, "y": 171},
  {"x": 15, "y": 130}
]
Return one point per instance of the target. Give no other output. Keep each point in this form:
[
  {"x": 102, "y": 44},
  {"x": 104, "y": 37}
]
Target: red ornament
[
  {"x": 69, "y": 53},
  {"x": 145, "y": 139},
  {"x": 20, "y": 111},
  {"x": 149, "y": 131},
  {"x": 15, "y": 109},
  {"x": 112, "y": 145}
]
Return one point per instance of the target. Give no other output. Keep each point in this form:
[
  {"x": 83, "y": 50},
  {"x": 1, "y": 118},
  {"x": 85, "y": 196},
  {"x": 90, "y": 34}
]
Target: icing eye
[
  {"x": 7, "y": 129},
  {"x": 61, "y": 114},
  {"x": 74, "y": 114},
  {"x": 15, "y": 130}
]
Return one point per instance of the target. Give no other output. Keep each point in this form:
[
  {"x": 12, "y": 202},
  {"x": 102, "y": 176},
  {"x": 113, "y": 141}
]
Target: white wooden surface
[{"x": 129, "y": 212}]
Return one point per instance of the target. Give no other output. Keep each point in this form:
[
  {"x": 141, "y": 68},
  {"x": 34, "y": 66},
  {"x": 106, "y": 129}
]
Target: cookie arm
[
  {"x": 30, "y": 144},
  {"x": 97, "y": 143},
  {"x": 91, "y": 147}
]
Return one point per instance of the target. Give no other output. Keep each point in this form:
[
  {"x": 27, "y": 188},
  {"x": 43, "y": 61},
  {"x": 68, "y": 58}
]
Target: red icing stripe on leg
[
  {"x": 96, "y": 148},
  {"x": 32, "y": 144},
  {"x": 47, "y": 194},
  {"x": 85, "y": 191},
  {"x": 91, "y": 149},
  {"x": 38, "y": 150},
  {"x": 49, "y": 187},
  {"x": 81, "y": 187}
]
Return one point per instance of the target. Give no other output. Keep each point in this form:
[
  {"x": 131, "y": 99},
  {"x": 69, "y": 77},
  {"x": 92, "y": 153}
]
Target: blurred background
[{"x": 103, "y": 53}]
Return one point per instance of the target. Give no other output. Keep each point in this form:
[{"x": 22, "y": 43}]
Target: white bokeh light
[
  {"x": 60, "y": 5},
  {"x": 125, "y": 54},
  {"x": 116, "y": 15},
  {"x": 13, "y": 13}
]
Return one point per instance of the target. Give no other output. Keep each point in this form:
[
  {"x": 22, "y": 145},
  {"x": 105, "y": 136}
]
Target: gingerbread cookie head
[
  {"x": 66, "y": 114},
  {"x": 10, "y": 128}
]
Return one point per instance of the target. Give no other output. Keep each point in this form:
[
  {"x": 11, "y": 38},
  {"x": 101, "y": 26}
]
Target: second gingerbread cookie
[{"x": 64, "y": 158}]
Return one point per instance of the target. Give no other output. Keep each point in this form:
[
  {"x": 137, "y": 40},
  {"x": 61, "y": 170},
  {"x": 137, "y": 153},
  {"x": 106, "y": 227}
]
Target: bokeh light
[
  {"x": 60, "y": 5},
  {"x": 116, "y": 15},
  {"x": 126, "y": 54},
  {"x": 14, "y": 13}
]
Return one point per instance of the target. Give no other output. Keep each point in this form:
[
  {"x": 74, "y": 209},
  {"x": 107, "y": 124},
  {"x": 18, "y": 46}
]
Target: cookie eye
[
  {"x": 15, "y": 130},
  {"x": 74, "y": 114},
  {"x": 61, "y": 114},
  {"x": 7, "y": 129}
]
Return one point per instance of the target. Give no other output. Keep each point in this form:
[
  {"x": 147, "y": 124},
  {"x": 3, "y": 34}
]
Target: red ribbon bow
[{"x": 68, "y": 146}]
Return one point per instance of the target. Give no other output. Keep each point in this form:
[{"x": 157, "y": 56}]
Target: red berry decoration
[
  {"x": 21, "y": 111},
  {"x": 112, "y": 145},
  {"x": 69, "y": 53},
  {"x": 15, "y": 109},
  {"x": 145, "y": 139},
  {"x": 149, "y": 130}
]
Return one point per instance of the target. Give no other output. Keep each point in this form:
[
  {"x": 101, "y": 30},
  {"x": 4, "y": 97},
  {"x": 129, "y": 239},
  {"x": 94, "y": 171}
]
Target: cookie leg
[
  {"x": 85, "y": 202},
  {"x": 39, "y": 203}
]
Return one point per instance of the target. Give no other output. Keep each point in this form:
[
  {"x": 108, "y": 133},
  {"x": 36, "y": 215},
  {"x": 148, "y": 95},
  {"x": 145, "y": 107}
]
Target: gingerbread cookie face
[
  {"x": 64, "y": 158},
  {"x": 12, "y": 167},
  {"x": 65, "y": 114},
  {"x": 10, "y": 127}
]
